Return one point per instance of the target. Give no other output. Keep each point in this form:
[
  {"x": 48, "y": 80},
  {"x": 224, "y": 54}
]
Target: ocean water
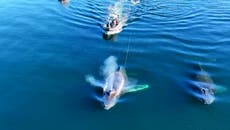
[{"x": 46, "y": 49}]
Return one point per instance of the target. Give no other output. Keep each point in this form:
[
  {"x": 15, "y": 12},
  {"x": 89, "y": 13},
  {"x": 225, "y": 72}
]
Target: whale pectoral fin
[
  {"x": 220, "y": 89},
  {"x": 135, "y": 88},
  {"x": 90, "y": 79}
]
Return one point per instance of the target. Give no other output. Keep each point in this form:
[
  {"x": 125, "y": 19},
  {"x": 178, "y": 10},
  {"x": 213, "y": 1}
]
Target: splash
[
  {"x": 90, "y": 79},
  {"x": 118, "y": 9},
  {"x": 110, "y": 66}
]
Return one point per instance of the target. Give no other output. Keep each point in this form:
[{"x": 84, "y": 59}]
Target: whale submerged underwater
[
  {"x": 203, "y": 87},
  {"x": 115, "y": 83}
]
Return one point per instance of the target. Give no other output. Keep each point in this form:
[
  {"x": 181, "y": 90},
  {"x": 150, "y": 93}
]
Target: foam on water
[{"x": 110, "y": 66}]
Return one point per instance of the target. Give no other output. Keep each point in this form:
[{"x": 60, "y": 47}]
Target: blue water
[{"x": 46, "y": 49}]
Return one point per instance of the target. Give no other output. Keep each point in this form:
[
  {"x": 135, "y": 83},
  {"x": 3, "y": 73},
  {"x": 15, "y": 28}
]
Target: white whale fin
[
  {"x": 135, "y": 88},
  {"x": 90, "y": 79}
]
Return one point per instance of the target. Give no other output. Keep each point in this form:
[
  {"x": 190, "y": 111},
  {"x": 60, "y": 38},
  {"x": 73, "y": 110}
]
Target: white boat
[{"x": 113, "y": 30}]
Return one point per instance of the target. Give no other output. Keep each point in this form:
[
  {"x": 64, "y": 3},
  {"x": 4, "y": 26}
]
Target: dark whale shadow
[
  {"x": 84, "y": 100},
  {"x": 90, "y": 102}
]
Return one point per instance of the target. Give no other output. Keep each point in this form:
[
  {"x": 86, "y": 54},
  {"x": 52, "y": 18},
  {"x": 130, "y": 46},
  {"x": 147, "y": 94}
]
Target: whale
[
  {"x": 115, "y": 83},
  {"x": 113, "y": 88},
  {"x": 203, "y": 86}
]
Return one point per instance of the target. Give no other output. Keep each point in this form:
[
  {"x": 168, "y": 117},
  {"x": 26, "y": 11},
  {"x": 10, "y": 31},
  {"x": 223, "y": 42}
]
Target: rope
[{"x": 127, "y": 53}]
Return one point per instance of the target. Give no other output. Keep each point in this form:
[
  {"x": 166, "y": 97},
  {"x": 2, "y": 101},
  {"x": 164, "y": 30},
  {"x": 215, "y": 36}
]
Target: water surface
[{"x": 46, "y": 50}]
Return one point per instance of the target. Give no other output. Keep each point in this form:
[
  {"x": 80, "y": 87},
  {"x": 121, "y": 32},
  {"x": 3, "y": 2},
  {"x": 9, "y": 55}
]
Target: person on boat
[
  {"x": 64, "y": 1},
  {"x": 113, "y": 23}
]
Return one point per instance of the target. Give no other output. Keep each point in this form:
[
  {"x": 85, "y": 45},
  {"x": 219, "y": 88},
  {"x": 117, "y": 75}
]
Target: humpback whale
[
  {"x": 203, "y": 86},
  {"x": 115, "y": 83}
]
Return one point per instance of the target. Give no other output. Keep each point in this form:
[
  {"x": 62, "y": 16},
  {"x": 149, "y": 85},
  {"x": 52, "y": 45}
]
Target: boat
[{"x": 109, "y": 30}]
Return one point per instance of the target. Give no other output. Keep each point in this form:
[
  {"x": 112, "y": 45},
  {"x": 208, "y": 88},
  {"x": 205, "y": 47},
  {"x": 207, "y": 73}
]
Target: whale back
[
  {"x": 205, "y": 79},
  {"x": 114, "y": 86},
  {"x": 115, "y": 81}
]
